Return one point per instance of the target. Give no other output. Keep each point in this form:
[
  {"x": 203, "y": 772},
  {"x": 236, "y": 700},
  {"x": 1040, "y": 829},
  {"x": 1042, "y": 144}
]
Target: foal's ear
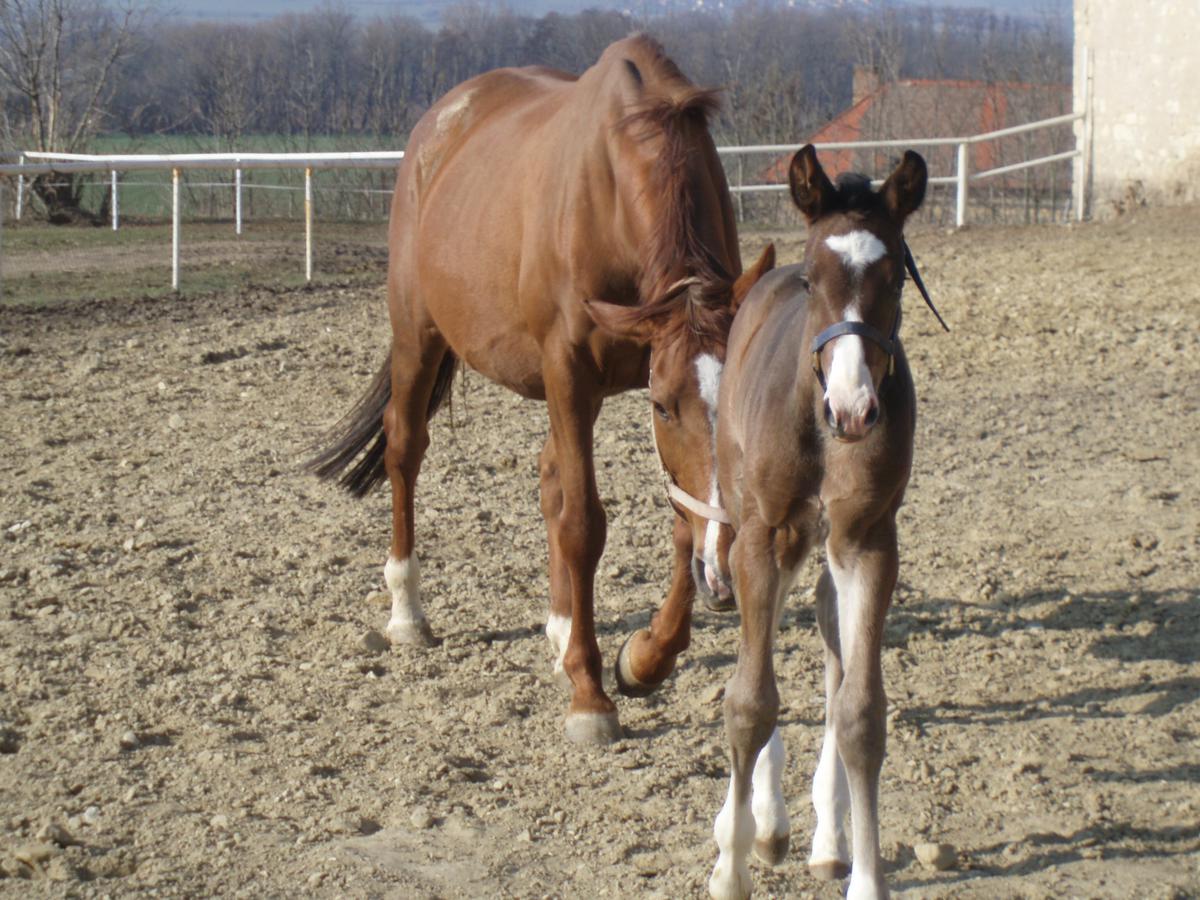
[
  {"x": 812, "y": 190},
  {"x": 621, "y": 321},
  {"x": 747, "y": 280},
  {"x": 905, "y": 188}
]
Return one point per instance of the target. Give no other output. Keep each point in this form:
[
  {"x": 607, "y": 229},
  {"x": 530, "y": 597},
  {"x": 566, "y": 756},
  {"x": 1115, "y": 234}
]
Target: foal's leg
[
  {"x": 576, "y": 529},
  {"x": 405, "y": 421},
  {"x": 864, "y": 570},
  {"x": 648, "y": 656},
  {"x": 751, "y": 714},
  {"x": 830, "y": 859}
]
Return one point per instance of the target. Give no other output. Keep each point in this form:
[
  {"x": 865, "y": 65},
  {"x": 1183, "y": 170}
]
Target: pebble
[
  {"x": 374, "y": 643},
  {"x": 420, "y": 818},
  {"x": 939, "y": 857},
  {"x": 129, "y": 741},
  {"x": 219, "y": 822},
  {"x": 175, "y": 421},
  {"x": 33, "y": 855},
  {"x": 53, "y": 833},
  {"x": 90, "y": 816}
]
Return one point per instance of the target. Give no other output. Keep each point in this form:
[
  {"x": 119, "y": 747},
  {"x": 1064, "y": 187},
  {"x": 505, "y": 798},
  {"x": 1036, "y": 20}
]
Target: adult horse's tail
[{"x": 362, "y": 429}]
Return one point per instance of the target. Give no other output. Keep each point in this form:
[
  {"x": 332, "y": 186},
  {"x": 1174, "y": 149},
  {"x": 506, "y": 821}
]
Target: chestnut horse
[
  {"x": 565, "y": 237},
  {"x": 815, "y": 436}
]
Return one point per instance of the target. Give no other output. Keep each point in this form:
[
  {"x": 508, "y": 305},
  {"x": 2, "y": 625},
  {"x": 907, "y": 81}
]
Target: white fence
[{"x": 43, "y": 163}]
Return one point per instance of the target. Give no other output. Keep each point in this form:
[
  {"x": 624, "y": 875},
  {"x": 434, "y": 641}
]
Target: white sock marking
[
  {"x": 770, "y": 809},
  {"x": 403, "y": 580},
  {"x": 558, "y": 630},
  {"x": 734, "y": 834},
  {"x": 831, "y": 800}
]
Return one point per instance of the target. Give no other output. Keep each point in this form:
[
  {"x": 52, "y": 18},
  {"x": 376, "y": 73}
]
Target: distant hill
[{"x": 430, "y": 11}]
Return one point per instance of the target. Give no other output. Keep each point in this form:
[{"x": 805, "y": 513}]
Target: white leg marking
[
  {"x": 831, "y": 800},
  {"x": 734, "y": 833},
  {"x": 558, "y": 630},
  {"x": 858, "y": 249},
  {"x": 770, "y": 809},
  {"x": 403, "y": 580},
  {"x": 866, "y": 876}
]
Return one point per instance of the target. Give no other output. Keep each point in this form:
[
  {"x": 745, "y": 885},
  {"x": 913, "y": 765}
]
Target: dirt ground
[{"x": 187, "y": 707}]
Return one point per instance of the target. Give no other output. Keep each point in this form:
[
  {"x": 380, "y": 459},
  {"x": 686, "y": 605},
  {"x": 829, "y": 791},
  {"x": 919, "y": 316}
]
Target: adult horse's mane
[{"x": 675, "y": 250}]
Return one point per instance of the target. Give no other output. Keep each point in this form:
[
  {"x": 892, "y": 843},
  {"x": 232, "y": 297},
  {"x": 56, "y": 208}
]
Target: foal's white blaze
[
  {"x": 770, "y": 809},
  {"x": 558, "y": 630},
  {"x": 403, "y": 580},
  {"x": 708, "y": 375},
  {"x": 849, "y": 388},
  {"x": 858, "y": 249}
]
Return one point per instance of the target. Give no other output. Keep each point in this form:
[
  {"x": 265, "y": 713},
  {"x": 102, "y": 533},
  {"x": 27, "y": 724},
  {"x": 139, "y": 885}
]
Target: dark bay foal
[{"x": 815, "y": 436}]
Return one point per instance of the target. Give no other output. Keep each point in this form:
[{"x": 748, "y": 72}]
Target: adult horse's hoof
[
  {"x": 628, "y": 683},
  {"x": 829, "y": 870},
  {"x": 412, "y": 634},
  {"x": 772, "y": 850},
  {"x": 597, "y": 729}
]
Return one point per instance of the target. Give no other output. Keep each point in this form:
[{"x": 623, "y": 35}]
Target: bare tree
[{"x": 57, "y": 59}]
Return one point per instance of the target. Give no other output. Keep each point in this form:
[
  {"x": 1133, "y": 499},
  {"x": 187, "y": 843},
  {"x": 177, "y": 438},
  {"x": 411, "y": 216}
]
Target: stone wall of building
[{"x": 1144, "y": 64}]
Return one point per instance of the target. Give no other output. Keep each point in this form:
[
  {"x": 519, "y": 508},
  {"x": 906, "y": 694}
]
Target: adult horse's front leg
[
  {"x": 576, "y": 531},
  {"x": 648, "y": 656},
  {"x": 863, "y": 567}
]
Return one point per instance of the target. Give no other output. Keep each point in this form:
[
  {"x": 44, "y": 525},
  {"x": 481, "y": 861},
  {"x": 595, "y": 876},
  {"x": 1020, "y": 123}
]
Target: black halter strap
[{"x": 871, "y": 333}]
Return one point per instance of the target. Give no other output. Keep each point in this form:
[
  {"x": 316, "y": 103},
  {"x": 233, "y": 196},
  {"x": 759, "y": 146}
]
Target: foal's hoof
[
  {"x": 716, "y": 604},
  {"x": 772, "y": 850},
  {"x": 628, "y": 683},
  {"x": 829, "y": 870},
  {"x": 412, "y": 634},
  {"x": 597, "y": 729}
]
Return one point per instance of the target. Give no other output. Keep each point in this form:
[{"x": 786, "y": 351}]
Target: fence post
[
  {"x": 237, "y": 199},
  {"x": 308, "y": 214},
  {"x": 115, "y": 202},
  {"x": 741, "y": 208},
  {"x": 175, "y": 230},
  {"x": 20, "y": 191},
  {"x": 960, "y": 206}
]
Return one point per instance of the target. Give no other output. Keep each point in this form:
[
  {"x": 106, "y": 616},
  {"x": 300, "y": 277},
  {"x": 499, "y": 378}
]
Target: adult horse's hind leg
[
  {"x": 863, "y": 570},
  {"x": 418, "y": 371}
]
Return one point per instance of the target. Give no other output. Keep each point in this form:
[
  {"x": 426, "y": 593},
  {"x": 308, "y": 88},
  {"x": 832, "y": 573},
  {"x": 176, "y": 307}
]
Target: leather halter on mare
[{"x": 886, "y": 342}]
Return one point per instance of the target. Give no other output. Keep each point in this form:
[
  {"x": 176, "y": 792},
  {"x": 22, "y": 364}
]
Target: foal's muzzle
[{"x": 714, "y": 590}]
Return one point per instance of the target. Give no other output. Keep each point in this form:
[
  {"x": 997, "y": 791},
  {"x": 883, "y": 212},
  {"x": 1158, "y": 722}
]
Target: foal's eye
[{"x": 661, "y": 412}]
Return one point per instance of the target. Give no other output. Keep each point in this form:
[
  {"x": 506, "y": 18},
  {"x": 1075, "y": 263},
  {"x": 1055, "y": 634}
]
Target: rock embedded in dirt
[
  {"x": 129, "y": 741},
  {"x": 374, "y": 643},
  {"x": 420, "y": 818},
  {"x": 938, "y": 857},
  {"x": 53, "y": 833}
]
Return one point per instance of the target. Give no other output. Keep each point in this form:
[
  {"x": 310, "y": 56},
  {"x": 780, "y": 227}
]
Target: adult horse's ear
[
  {"x": 621, "y": 321},
  {"x": 747, "y": 280},
  {"x": 812, "y": 190},
  {"x": 905, "y": 187}
]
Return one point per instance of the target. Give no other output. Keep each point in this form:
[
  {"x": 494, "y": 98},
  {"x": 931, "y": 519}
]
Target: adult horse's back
[{"x": 563, "y": 236}]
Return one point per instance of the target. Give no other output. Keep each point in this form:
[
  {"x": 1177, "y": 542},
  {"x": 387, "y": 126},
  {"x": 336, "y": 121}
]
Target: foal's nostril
[
  {"x": 872, "y": 415},
  {"x": 830, "y": 418}
]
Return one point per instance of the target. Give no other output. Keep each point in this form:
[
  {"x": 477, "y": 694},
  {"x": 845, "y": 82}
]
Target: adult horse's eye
[{"x": 661, "y": 412}]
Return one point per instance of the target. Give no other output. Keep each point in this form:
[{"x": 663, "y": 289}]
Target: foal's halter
[
  {"x": 886, "y": 342},
  {"x": 682, "y": 497}
]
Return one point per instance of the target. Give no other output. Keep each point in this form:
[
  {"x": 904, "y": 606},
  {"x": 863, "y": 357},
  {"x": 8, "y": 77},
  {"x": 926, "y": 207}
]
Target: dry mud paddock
[{"x": 188, "y": 706}]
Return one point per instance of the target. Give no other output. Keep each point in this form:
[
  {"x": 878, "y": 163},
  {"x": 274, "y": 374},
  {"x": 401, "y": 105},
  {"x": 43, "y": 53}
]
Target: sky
[{"x": 428, "y": 11}]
